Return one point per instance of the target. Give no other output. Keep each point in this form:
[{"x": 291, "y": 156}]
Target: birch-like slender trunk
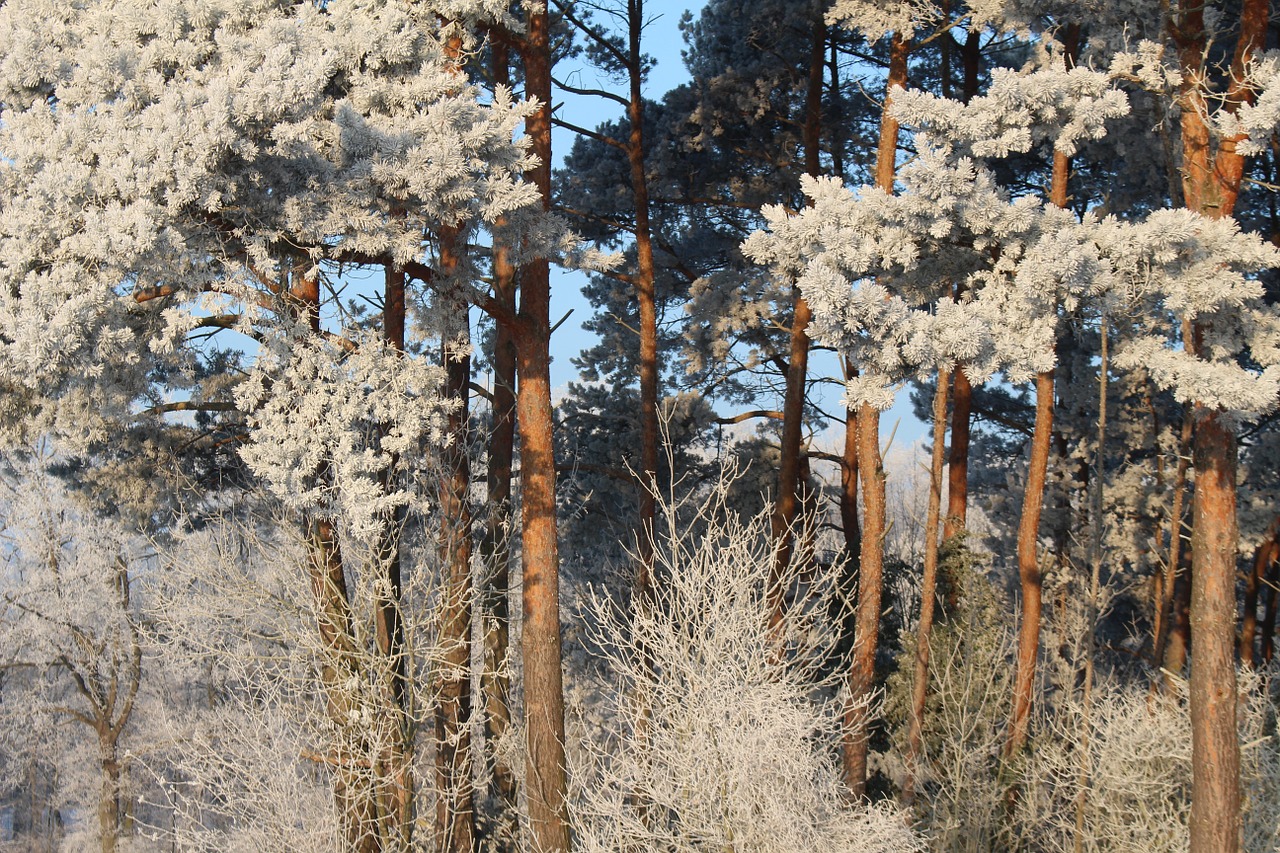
[
  {"x": 1095, "y": 580},
  {"x": 928, "y": 589}
]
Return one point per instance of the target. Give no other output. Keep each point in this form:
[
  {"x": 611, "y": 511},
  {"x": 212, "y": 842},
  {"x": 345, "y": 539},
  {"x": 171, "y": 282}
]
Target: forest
[{"x": 303, "y": 550}]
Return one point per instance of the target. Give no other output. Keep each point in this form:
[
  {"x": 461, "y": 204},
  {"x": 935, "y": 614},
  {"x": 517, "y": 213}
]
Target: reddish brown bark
[
  {"x": 928, "y": 589},
  {"x": 787, "y": 503},
  {"x": 871, "y": 473},
  {"x": 647, "y": 302},
  {"x": 1029, "y": 565},
  {"x": 1269, "y": 602},
  {"x": 1211, "y": 180},
  {"x": 1254, "y": 581},
  {"x": 1033, "y": 497},
  {"x": 1215, "y": 745},
  {"x": 867, "y": 614},
  {"x": 545, "y": 780}
]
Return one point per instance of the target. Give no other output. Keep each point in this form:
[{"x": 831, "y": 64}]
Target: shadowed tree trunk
[
  {"x": 871, "y": 472},
  {"x": 1269, "y": 601},
  {"x": 1254, "y": 581},
  {"x": 928, "y": 589},
  {"x": 850, "y": 526},
  {"x": 112, "y": 707},
  {"x": 843, "y": 605},
  {"x": 355, "y": 783},
  {"x": 1173, "y": 630},
  {"x": 455, "y": 811},
  {"x": 388, "y": 626},
  {"x": 496, "y": 681},
  {"x": 787, "y": 506},
  {"x": 962, "y": 392},
  {"x": 109, "y": 795}
]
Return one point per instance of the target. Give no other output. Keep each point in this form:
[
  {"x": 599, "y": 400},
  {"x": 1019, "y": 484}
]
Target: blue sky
[{"x": 662, "y": 40}]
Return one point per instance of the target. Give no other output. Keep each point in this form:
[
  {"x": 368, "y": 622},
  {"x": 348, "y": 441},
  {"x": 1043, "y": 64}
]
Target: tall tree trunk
[
  {"x": 545, "y": 780},
  {"x": 1029, "y": 565},
  {"x": 842, "y": 606},
  {"x": 928, "y": 588},
  {"x": 867, "y": 614},
  {"x": 112, "y": 713},
  {"x": 496, "y": 681},
  {"x": 455, "y": 804},
  {"x": 340, "y": 667},
  {"x": 785, "y": 509},
  {"x": 850, "y": 527},
  {"x": 455, "y": 811},
  {"x": 355, "y": 786},
  {"x": 962, "y": 392},
  {"x": 1215, "y": 744},
  {"x": 871, "y": 472},
  {"x": 389, "y": 627},
  {"x": 1033, "y": 496},
  {"x": 1211, "y": 183},
  {"x": 1172, "y": 629},
  {"x": 647, "y": 303},
  {"x": 1178, "y": 644},
  {"x": 1095, "y": 582},
  {"x": 958, "y": 462}
]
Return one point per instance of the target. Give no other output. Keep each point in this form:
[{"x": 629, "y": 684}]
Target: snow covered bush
[
  {"x": 722, "y": 732},
  {"x": 275, "y": 729},
  {"x": 1135, "y": 745},
  {"x": 71, "y": 656}
]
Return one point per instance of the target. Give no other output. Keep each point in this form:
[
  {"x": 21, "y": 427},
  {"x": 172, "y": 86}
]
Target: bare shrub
[{"x": 723, "y": 730}]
